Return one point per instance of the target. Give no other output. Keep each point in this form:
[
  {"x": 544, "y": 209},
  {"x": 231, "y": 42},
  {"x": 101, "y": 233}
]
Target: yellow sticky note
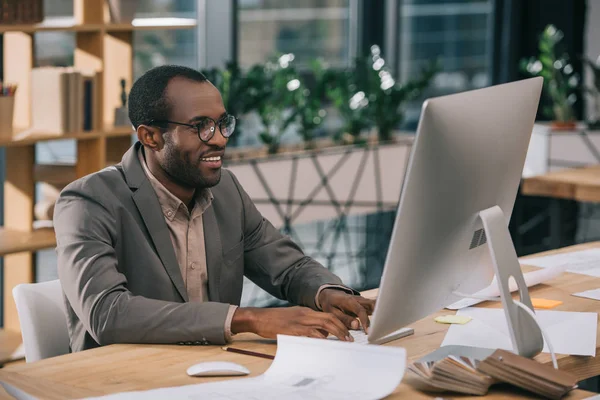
[
  {"x": 545, "y": 304},
  {"x": 452, "y": 319}
]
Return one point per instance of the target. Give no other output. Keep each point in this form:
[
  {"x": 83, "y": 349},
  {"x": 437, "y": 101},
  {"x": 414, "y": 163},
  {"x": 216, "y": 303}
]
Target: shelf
[
  {"x": 69, "y": 25},
  {"x": 13, "y": 241},
  {"x": 54, "y": 174},
  {"x": 59, "y": 174},
  {"x": 52, "y": 25},
  {"x": 26, "y": 139},
  {"x": 140, "y": 24}
]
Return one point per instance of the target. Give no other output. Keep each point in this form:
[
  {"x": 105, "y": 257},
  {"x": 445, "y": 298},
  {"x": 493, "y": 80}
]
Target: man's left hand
[{"x": 347, "y": 307}]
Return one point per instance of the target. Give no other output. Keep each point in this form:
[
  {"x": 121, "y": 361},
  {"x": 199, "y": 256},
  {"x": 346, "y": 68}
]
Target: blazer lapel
[
  {"x": 147, "y": 203},
  {"x": 149, "y": 207},
  {"x": 214, "y": 252}
]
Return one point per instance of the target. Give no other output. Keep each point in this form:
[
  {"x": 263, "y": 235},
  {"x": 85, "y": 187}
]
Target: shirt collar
[{"x": 169, "y": 203}]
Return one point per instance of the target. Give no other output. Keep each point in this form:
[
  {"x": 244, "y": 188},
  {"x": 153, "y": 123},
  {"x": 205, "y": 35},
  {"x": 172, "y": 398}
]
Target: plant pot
[{"x": 563, "y": 125}]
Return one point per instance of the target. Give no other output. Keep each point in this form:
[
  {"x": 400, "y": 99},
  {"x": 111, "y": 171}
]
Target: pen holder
[{"x": 7, "y": 105}]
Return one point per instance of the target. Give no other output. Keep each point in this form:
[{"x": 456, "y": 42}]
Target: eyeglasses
[{"x": 206, "y": 126}]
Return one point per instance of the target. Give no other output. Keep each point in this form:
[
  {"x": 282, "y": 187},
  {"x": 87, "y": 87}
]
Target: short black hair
[{"x": 147, "y": 99}]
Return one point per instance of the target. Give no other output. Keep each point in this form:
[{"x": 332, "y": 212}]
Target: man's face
[{"x": 185, "y": 158}]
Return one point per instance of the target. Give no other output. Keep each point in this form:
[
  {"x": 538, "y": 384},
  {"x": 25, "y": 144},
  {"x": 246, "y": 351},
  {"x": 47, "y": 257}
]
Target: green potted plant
[
  {"x": 275, "y": 84},
  {"x": 560, "y": 81},
  {"x": 241, "y": 92},
  {"x": 387, "y": 97},
  {"x": 345, "y": 88},
  {"x": 594, "y": 91},
  {"x": 309, "y": 103}
]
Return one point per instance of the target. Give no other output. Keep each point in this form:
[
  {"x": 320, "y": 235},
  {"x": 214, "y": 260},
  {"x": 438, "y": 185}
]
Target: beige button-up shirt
[{"x": 187, "y": 235}]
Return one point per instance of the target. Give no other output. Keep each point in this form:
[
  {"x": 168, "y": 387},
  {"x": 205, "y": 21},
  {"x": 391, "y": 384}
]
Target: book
[
  {"x": 528, "y": 374},
  {"x": 470, "y": 376},
  {"x": 452, "y": 373},
  {"x": 49, "y": 99},
  {"x": 64, "y": 100}
]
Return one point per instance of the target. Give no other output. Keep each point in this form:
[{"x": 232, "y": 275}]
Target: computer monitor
[{"x": 451, "y": 229}]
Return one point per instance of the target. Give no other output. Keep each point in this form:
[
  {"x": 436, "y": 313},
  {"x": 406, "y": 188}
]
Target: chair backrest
[{"x": 42, "y": 318}]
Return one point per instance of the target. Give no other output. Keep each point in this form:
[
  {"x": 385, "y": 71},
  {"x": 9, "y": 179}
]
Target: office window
[
  {"x": 55, "y": 48},
  {"x": 166, "y": 8},
  {"x": 307, "y": 28},
  {"x": 154, "y": 48},
  {"x": 58, "y": 8},
  {"x": 457, "y": 33}
]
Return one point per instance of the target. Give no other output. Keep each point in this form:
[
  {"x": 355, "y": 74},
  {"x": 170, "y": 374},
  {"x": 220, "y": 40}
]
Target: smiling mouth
[{"x": 211, "y": 159}]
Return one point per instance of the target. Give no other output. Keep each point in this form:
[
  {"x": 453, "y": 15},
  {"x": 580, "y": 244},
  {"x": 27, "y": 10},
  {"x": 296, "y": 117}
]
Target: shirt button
[
  {"x": 193, "y": 265},
  {"x": 169, "y": 213}
]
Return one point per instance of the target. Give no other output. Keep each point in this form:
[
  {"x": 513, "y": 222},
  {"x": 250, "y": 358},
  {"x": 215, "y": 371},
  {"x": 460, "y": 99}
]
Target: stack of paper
[
  {"x": 585, "y": 262},
  {"x": 304, "y": 368},
  {"x": 572, "y": 333}
]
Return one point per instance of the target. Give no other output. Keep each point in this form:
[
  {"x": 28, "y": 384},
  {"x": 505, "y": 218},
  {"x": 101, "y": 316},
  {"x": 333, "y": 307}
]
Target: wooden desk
[
  {"x": 126, "y": 367},
  {"x": 579, "y": 184}
]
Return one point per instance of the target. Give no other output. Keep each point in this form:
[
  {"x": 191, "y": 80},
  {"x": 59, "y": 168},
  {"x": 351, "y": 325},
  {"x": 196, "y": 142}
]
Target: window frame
[{"x": 356, "y": 23}]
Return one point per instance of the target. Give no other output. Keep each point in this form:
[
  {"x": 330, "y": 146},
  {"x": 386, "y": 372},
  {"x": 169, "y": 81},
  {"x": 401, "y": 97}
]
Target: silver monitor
[{"x": 451, "y": 230}]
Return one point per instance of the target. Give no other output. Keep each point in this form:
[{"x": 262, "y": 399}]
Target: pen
[{"x": 248, "y": 353}]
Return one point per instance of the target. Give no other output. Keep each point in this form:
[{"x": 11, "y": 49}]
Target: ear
[{"x": 150, "y": 136}]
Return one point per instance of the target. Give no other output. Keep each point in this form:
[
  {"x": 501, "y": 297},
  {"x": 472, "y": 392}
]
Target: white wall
[{"x": 592, "y": 42}]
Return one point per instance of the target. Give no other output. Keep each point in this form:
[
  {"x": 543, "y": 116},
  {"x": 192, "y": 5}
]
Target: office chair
[{"x": 42, "y": 318}]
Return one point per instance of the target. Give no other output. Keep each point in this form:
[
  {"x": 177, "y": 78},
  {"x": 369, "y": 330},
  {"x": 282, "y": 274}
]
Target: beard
[{"x": 188, "y": 172}]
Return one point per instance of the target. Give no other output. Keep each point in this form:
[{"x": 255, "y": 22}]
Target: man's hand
[
  {"x": 347, "y": 307},
  {"x": 296, "y": 321}
]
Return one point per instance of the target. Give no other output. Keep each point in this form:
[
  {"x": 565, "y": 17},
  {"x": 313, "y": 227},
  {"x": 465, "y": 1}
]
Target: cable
[{"x": 527, "y": 310}]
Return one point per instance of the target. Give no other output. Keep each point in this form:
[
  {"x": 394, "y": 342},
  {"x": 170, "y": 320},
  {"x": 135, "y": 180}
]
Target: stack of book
[
  {"x": 469, "y": 376},
  {"x": 64, "y": 100},
  {"x": 454, "y": 374}
]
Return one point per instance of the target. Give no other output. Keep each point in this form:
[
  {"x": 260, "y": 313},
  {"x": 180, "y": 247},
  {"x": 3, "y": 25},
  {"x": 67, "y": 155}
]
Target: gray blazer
[{"x": 119, "y": 272}]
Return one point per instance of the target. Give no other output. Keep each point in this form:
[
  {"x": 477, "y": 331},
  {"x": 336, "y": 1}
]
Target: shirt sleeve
[
  {"x": 339, "y": 287},
  {"x": 228, "y": 320}
]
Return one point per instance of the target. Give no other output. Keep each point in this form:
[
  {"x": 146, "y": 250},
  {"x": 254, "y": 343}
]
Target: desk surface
[
  {"x": 125, "y": 367},
  {"x": 581, "y": 184}
]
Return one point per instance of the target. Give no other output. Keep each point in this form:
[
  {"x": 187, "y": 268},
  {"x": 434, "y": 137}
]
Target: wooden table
[
  {"x": 579, "y": 184},
  {"x": 127, "y": 367}
]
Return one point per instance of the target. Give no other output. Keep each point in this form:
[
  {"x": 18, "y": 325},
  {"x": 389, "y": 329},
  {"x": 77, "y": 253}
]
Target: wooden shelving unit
[{"x": 100, "y": 46}]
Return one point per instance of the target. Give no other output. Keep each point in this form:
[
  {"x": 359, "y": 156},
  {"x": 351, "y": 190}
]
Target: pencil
[{"x": 248, "y": 353}]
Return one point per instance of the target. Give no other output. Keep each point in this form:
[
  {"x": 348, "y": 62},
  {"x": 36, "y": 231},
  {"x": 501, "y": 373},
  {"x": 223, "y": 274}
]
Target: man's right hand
[{"x": 295, "y": 321}]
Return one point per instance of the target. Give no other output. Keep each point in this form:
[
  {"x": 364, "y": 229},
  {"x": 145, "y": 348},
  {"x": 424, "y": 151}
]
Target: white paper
[
  {"x": 572, "y": 333},
  {"x": 584, "y": 262},
  {"x": 303, "y": 368},
  {"x": 593, "y": 294},
  {"x": 531, "y": 279}
]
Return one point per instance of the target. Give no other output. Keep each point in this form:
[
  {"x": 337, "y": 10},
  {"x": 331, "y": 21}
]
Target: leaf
[{"x": 266, "y": 138}]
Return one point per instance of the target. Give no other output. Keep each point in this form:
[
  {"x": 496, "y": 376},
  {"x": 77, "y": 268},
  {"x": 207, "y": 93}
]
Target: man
[{"x": 154, "y": 249}]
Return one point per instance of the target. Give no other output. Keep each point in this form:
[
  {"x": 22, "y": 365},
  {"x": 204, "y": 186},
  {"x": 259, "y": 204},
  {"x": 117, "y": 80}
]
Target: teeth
[{"x": 212, "y": 159}]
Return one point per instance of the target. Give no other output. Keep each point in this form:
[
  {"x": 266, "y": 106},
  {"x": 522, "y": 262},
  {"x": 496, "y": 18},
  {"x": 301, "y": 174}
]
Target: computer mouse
[{"x": 217, "y": 368}]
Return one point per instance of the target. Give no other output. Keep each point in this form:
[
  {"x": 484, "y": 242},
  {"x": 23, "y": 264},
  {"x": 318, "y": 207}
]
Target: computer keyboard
[{"x": 360, "y": 337}]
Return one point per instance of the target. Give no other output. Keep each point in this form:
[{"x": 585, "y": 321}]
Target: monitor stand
[{"x": 525, "y": 334}]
